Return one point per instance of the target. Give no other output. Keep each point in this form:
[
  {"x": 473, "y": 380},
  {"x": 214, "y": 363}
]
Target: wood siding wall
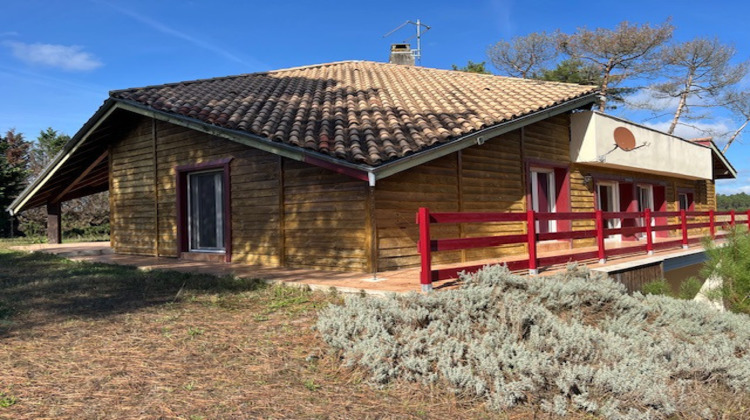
[
  {"x": 287, "y": 213},
  {"x": 583, "y": 196},
  {"x": 283, "y": 212},
  {"x": 485, "y": 178},
  {"x": 132, "y": 193},
  {"x": 325, "y": 219},
  {"x": 492, "y": 178}
]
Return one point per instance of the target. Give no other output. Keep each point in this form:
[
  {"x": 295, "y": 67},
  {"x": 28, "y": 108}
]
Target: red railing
[{"x": 641, "y": 223}]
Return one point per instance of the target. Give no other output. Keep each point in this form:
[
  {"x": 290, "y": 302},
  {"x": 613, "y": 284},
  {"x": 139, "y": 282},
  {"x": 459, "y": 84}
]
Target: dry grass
[{"x": 96, "y": 341}]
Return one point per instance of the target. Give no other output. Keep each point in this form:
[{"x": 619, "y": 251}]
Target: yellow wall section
[
  {"x": 132, "y": 192},
  {"x": 322, "y": 224},
  {"x": 290, "y": 213}
]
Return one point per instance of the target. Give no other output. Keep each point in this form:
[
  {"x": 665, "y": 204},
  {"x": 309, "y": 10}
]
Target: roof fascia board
[
  {"x": 76, "y": 142},
  {"x": 248, "y": 139},
  {"x": 480, "y": 136}
]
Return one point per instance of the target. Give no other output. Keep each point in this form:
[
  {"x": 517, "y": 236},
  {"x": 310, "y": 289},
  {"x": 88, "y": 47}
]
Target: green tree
[
  {"x": 739, "y": 201},
  {"x": 731, "y": 263},
  {"x": 85, "y": 216},
  {"x": 48, "y": 145},
  {"x": 472, "y": 67},
  {"x": 573, "y": 70},
  {"x": 14, "y": 168}
]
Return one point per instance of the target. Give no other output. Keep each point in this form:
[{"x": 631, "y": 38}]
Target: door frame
[
  {"x": 181, "y": 183},
  {"x": 652, "y": 206},
  {"x": 551, "y": 192},
  {"x": 614, "y": 205},
  {"x": 219, "y": 215}
]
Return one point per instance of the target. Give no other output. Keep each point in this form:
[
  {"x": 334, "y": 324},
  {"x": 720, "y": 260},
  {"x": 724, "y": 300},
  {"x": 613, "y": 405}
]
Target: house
[{"x": 325, "y": 166}]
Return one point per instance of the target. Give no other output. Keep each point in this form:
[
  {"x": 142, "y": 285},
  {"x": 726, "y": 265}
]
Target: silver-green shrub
[{"x": 571, "y": 342}]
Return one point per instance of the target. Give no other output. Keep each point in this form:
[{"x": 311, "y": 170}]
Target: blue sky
[{"x": 59, "y": 60}]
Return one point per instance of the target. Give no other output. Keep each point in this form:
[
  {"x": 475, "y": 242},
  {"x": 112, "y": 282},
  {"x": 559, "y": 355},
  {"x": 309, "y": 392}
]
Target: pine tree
[{"x": 14, "y": 168}]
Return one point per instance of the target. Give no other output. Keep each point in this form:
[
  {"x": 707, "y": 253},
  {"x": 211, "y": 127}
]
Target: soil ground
[{"x": 80, "y": 340}]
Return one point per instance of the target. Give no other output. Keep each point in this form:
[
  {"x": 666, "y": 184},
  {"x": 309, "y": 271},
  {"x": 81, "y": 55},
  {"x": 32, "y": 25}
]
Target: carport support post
[{"x": 54, "y": 223}]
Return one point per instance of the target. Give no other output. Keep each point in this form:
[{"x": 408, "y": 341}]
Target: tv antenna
[{"x": 419, "y": 25}]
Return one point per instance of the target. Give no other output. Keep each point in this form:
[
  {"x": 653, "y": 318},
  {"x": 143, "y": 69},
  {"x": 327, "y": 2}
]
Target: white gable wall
[{"x": 592, "y": 142}]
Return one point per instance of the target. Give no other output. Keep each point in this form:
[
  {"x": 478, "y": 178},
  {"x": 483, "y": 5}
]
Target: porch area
[{"x": 396, "y": 281}]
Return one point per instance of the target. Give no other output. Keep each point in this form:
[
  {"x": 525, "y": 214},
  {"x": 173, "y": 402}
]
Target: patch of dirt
[{"x": 83, "y": 342}]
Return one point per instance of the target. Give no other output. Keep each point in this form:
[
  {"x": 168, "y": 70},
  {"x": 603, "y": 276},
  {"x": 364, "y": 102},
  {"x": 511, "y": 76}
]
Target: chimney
[{"x": 401, "y": 54}]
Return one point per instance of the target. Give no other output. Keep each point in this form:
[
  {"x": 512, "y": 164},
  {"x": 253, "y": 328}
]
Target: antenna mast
[{"x": 419, "y": 25}]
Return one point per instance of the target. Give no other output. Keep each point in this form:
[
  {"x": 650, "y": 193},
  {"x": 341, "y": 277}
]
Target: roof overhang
[
  {"x": 78, "y": 159},
  {"x": 85, "y": 156},
  {"x": 722, "y": 168},
  {"x": 603, "y": 140},
  {"x": 480, "y": 136}
]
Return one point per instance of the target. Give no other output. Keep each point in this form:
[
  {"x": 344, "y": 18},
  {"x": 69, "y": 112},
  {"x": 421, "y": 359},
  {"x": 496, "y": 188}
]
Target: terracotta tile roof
[{"x": 363, "y": 112}]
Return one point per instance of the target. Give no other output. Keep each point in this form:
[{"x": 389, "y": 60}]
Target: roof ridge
[
  {"x": 337, "y": 63},
  {"x": 234, "y": 76}
]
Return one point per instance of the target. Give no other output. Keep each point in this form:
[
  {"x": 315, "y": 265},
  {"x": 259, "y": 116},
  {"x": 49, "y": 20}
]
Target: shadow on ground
[{"x": 37, "y": 288}]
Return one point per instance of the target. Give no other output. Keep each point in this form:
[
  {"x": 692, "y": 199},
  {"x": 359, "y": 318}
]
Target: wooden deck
[{"x": 397, "y": 281}]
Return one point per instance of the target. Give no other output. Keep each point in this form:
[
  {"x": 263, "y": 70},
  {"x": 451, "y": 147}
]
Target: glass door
[
  {"x": 543, "y": 197},
  {"x": 608, "y": 200},
  {"x": 206, "y": 211},
  {"x": 645, "y": 196}
]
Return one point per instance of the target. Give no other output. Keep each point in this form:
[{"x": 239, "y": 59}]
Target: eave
[{"x": 363, "y": 172}]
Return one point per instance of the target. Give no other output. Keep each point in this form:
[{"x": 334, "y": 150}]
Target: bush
[
  {"x": 689, "y": 288},
  {"x": 656, "y": 287},
  {"x": 571, "y": 342},
  {"x": 731, "y": 262}
]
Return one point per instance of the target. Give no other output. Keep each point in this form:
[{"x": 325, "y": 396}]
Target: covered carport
[{"x": 80, "y": 169}]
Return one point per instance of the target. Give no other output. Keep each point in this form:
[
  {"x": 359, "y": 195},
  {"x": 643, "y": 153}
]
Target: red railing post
[
  {"x": 748, "y": 220},
  {"x": 600, "y": 237},
  {"x": 531, "y": 229},
  {"x": 683, "y": 221},
  {"x": 731, "y": 223},
  {"x": 649, "y": 231},
  {"x": 712, "y": 223},
  {"x": 425, "y": 249}
]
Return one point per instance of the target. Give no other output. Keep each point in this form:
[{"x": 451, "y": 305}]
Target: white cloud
[
  {"x": 66, "y": 57},
  {"x": 649, "y": 99},
  {"x": 694, "y": 129}
]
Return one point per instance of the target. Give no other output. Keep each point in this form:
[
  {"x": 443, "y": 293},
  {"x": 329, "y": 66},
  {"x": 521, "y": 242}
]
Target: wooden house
[{"x": 325, "y": 166}]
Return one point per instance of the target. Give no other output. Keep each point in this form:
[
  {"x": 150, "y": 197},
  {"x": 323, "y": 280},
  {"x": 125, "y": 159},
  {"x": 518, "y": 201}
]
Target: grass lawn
[{"x": 82, "y": 340}]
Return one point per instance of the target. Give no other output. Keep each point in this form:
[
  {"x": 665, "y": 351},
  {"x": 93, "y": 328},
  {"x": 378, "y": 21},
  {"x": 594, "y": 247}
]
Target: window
[
  {"x": 206, "y": 211},
  {"x": 645, "y": 195},
  {"x": 543, "y": 197},
  {"x": 686, "y": 201}
]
